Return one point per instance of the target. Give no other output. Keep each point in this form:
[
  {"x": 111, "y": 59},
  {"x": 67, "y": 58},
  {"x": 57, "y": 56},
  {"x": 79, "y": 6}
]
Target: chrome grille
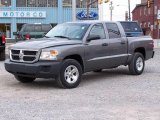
[{"x": 28, "y": 56}]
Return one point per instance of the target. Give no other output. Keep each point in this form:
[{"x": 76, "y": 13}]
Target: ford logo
[{"x": 82, "y": 15}]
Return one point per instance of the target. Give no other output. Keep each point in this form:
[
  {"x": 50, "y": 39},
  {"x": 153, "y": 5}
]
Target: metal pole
[
  {"x": 88, "y": 9},
  {"x": 111, "y": 10},
  {"x": 73, "y": 10},
  {"x": 129, "y": 10},
  {"x": 88, "y": 5}
]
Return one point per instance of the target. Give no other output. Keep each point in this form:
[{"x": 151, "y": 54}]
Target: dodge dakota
[{"x": 73, "y": 48}]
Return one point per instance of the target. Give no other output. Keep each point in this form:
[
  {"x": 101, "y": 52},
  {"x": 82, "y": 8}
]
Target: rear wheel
[
  {"x": 70, "y": 74},
  {"x": 137, "y": 64},
  {"x": 24, "y": 79},
  {"x": 2, "y": 55}
]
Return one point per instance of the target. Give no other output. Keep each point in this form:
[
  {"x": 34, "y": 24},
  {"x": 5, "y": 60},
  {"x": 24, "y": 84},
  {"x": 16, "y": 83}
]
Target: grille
[{"x": 28, "y": 56}]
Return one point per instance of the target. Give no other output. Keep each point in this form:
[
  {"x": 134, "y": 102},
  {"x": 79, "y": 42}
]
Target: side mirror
[{"x": 93, "y": 37}]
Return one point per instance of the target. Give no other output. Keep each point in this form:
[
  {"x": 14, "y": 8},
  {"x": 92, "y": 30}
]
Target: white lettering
[{"x": 24, "y": 14}]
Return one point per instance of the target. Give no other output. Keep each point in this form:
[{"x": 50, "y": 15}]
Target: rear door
[{"x": 117, "y": 45}]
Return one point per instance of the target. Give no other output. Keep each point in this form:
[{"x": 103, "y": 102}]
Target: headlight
[{"x": 49, "y": 55}]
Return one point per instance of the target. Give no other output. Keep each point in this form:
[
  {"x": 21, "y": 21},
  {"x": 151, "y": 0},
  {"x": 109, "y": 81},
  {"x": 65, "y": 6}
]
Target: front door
[{"x": 95, "y": 49}]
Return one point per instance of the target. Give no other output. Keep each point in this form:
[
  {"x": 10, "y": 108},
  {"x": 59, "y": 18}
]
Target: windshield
[{"x": 71, "y": 31}]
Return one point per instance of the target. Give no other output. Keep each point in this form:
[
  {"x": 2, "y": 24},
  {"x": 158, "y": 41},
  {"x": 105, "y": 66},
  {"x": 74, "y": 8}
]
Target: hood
[{"x": 44, "y": 43}]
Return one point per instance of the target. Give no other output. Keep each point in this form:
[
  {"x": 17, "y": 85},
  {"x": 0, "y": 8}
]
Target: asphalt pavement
[{"x": 110, "y": 95}]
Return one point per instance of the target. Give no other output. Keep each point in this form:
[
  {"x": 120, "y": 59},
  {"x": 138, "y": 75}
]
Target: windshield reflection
[{"x": 70, "y": 31}]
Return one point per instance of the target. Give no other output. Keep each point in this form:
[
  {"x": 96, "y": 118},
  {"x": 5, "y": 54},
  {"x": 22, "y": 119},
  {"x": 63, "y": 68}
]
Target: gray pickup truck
[{"x": 71, "y": 49}]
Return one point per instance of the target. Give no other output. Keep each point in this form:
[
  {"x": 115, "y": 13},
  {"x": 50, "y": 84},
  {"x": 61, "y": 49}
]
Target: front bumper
[{"x": 40, "y": 69}]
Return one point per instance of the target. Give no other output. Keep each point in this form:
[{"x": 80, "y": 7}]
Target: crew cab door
[
  {"x": 117, "y": 45},
  {"x": 95, "y": 49}
]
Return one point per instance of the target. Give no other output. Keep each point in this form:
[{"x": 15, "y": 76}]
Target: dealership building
[{"x": 15, "y": 13}]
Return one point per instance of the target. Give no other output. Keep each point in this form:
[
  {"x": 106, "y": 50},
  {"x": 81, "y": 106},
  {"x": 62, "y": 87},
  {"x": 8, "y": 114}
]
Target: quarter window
[
  {"x": 113, "y": 30},
  {"x": 98, "y": 30}
]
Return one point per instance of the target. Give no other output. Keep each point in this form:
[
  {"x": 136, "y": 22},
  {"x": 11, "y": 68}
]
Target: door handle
[{"x": 105, "y": 44}]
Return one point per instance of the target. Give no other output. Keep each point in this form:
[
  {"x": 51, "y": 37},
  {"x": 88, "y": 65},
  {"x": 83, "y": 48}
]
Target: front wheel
[
  {"x": 137, "y": 64},
  {"x": 24, "y": 79},
  {"x": 70, "y": 74}
]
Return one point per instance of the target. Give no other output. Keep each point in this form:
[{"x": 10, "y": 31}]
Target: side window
[
  {"x": 113, "y": 30},
  {"x": 46, "y": 28},
  {"x": 28, "y": 28},
  {"x": 38, "y": 28},
  {"x": 98, "y": 30}
]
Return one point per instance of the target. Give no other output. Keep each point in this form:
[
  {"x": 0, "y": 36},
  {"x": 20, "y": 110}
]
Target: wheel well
[
  {"x": 141, "y": 50},
  {"x": 77, "y": 58}
]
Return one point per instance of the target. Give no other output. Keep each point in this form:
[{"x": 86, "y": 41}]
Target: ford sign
[{"x": 82, "y": 15}]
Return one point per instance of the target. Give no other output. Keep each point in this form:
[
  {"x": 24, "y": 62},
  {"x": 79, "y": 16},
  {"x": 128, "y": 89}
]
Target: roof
[{"x": 140, "y": 5}]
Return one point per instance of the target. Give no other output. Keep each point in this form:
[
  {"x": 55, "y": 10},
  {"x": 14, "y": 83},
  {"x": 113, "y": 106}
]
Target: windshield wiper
[{"x": 62, "y": 37}]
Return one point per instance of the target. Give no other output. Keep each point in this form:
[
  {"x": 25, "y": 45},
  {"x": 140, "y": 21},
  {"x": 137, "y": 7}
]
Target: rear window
[
  {"x": 36, "y": 28},
  {"x": 131, "y": 27}
]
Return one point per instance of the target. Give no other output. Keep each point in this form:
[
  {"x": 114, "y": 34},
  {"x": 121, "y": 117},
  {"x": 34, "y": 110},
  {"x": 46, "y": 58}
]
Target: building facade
[
  {"x": 147, "y": 17},
  {"x": 15, "y": 13}
]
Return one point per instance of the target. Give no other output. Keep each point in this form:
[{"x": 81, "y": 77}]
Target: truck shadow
[
  {"x": 87, "y": 78},
  {"x": 108, "y": 74}
]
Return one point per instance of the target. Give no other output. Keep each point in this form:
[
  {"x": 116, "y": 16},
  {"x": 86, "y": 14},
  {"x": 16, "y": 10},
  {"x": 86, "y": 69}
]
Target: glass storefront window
[
  {"x": 37, "y": 3},
  {"x": 5, "y": 3},
  {"x": 67, "y": 3}
]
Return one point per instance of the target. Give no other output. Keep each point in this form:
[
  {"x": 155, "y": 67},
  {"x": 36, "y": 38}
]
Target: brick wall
[{"x": 147, "y": 17}]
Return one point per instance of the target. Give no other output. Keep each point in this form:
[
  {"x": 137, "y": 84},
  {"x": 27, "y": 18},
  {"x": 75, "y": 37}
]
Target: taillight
[
  {"x": 27, "y": 36},
  {"x": 3, "y": 39}
]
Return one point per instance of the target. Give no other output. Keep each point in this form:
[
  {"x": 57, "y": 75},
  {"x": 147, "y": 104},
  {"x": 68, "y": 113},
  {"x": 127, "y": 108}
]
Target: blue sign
[{"x": 82, "y": 15}]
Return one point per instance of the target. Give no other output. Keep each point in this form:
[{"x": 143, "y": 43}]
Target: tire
[
  {"x": 70, "y": 74},
  {"x": 24, "y": 79},
  {"x": 136, "y": 67},
  {"x": 2, "y": 55},
  {"x": 99, "y": 70}
]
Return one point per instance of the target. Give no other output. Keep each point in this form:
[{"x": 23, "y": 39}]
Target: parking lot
[{"x": 110, "y": 95}]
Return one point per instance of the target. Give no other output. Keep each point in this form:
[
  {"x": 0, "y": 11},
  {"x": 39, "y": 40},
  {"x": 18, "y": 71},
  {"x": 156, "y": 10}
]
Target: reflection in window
[
  {"x": 67, "y": 3},
  {"x": 21, "y": 3},
  {"x": 37, "y": 3},
  {"x": 113, "y": 30},
  {"x": 83, "y": 4},
  {"x": 98, "y": 30},
  {"x": 5, "y": 3}
]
